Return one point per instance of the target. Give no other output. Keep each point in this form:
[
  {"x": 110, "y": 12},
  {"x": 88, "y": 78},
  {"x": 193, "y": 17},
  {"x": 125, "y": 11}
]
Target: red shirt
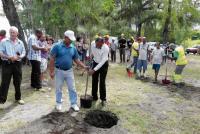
[{"x": 1, "y": 38}]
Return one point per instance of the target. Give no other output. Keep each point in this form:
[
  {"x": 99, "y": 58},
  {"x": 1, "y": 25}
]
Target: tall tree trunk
[
  {"x": 13, "y": 18},
  {"x": 167, "y": 23},
  {"x": 139, "y": 29}
]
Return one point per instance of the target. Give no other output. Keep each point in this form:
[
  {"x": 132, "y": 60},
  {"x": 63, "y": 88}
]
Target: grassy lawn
[
  {"x": 143, "y": 107},
  {"x": 191, "y": 43}
]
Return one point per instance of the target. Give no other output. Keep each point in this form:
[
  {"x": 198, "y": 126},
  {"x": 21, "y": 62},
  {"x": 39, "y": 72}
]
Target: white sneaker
[
  {"x": 59, "y": 107},
  {"x": 75, "y": 108},
  {"x": 21, "y": 102}
]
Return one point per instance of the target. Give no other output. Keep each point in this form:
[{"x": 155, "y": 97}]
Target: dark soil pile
[
  {"x": 73, "y": 123},
  {"x": 56, "y": 123}
]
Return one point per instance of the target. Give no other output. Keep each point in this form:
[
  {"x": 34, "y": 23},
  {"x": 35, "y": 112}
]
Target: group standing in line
[{"x": 61, "y": 56}]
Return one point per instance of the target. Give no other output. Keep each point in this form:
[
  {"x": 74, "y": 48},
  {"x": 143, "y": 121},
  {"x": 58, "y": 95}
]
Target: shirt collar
[
  {"x": 63, "y": 44},
  {"x": 17, "y": 40},
  {"x": 101, "y": 46}
]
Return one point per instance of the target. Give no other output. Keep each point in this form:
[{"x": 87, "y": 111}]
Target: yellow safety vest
[
  {"x": 181, "y": 60},
  {"x": 136, "y": 46}
]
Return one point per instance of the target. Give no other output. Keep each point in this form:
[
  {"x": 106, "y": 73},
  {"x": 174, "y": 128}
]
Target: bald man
[{"x": 11, "y": 51}]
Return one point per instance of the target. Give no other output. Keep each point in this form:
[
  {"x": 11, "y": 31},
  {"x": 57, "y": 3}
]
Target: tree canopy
[{"x": 158, "y": 20}]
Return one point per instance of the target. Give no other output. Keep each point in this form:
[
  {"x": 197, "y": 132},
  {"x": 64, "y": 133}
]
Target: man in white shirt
[
  {"x": 100, "y": 52},
  {"x": 157, "y": 59}
]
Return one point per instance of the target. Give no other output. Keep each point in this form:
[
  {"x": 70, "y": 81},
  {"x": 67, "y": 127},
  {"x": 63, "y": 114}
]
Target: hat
[
  {"x": 140, "y": 38},
  {"x": 106, "y": 36},
  {"x": 172, "y": 46},
  {"x": 96, "y": 36},
  {"x": 70, "y": 35},
  {"x": 132, "y": 37}
]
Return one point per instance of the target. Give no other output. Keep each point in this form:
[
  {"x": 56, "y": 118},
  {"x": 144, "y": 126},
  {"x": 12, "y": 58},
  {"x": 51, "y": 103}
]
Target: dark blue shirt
[{"x": 64, "y": 55}]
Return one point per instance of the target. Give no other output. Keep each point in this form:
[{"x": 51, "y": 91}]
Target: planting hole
[{"x": 101, "y": 119}]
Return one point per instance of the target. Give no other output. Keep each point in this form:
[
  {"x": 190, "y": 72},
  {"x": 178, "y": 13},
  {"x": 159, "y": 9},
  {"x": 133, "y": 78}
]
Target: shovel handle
[
  {"x": 86, "y": 88},
  {"x": 166, "y": 64}
]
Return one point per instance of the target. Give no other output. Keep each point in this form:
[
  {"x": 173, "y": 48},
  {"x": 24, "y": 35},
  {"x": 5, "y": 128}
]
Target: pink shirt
[{"x": 1, "y": 38}]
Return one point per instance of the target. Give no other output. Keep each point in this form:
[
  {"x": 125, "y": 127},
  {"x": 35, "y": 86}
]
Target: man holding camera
[{"x": 12, "y": 51}]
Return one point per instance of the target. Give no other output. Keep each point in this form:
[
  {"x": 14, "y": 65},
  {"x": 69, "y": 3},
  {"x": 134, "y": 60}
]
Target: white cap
[{"x": 70, "y": 35}]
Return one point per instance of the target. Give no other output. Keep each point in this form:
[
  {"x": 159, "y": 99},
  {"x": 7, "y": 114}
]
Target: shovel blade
[{"x": 165, "y": 81}]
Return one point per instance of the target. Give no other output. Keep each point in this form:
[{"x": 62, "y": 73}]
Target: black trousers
[
  {"x": 113, "y": 56},
  {"x": 99, "y": 75},
  {"x": 35, "y": 74},
  {"x": 10, "y": 70},
  {"x": 122, "y": 55}
]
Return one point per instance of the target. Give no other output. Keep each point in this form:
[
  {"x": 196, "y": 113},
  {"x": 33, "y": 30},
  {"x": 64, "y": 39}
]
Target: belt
[
  {"x": 10, "y": 62},
  {"x": 62, "y": 68}
]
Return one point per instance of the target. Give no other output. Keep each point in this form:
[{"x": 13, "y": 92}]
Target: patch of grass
[
  {"x": 133, "y": 120},
  {"x": 183, "y": 125},
  {"x": 190, "y": 125},
  {"x": 11, "y": 126},
  {"x": 136, "y": 122}
]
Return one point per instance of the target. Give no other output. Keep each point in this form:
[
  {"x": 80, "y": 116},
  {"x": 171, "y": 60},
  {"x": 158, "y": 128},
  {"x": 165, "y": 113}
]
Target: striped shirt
[{"x": 33, "y": 54}]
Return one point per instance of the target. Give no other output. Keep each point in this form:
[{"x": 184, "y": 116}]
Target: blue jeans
[
  {"x": 68, "y": 77},
  {"x": 134, "y": 63},
  {"x": 142, "y": 64}
]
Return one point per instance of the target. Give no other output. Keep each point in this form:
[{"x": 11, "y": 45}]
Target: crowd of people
[
  {"x": 60, "y": 56},
  {"x": 142, "y": 54}
]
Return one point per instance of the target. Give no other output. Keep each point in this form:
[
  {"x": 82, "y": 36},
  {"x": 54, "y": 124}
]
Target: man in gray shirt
[
  {"x": 113, "y": 49},
  {"x": 144, "y": 55}
]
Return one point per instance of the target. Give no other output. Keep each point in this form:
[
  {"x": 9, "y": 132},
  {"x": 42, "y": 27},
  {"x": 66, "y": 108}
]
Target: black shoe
[
  {"x": 141, "y": 77},
  {"x": 155, "y": 82},
  {"x": 33, "y": 86},
  {"x": 182, "y": 83},
  {"x": 2, "y": 102},
  {"x": 94, "y": 99}
]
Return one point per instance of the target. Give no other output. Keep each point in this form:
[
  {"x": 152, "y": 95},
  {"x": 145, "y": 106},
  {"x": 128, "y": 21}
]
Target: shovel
[
  {"x": 166, "y": 81},
  {"x": 86, "y": 100}
]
